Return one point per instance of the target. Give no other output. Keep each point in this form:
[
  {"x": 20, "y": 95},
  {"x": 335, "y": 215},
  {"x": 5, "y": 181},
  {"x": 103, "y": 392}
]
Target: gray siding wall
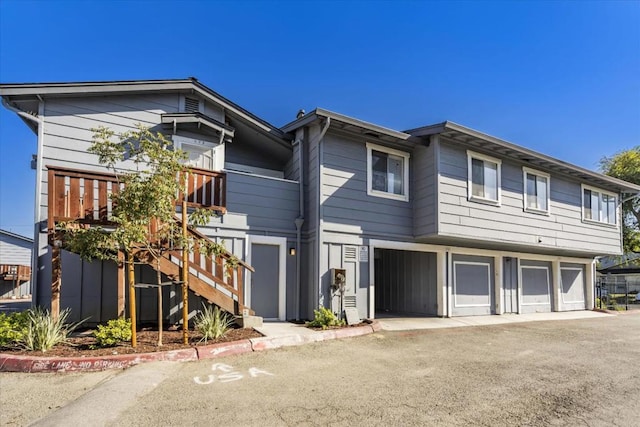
[
  {"x": 256, "y": 205},
  {"x": 14, "y": 251},
  {"x": 268, "y": 204},
  {"x": 87, "y": 288},
  {"x": 425, "y": 191},
  {"x": 563, "y": 229},
  {"x": 251, "y": 156},
  {"x": 346, "y": 206},
  {"x": 406, "y": 282}
]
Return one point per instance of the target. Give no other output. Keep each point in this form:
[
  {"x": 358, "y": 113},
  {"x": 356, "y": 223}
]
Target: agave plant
[
  {"x": 43, "y": 331},
  {"x": 212, "y": 323}
]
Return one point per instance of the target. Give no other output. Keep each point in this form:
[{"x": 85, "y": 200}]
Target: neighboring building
[
  {"x": 15, "y": 265},
  {"x": 620, "y": 273},
  {"x": 439, "y": 220}
]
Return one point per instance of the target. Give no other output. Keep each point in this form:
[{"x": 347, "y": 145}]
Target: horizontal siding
[
  {"x": 14, "y": 251},
  {"x": 424, "y": 191},
  {"x": 268, "y": 203},
  {"x": 344, "y": 192},
  {"x": 68, "y": 123},
  {"x": 562, "y": 228}
]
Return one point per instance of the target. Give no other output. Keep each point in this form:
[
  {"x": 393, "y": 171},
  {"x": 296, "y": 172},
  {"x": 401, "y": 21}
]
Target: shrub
[
  {"x": 42, "y": 331},
  {"x": 12, "y": 327},
  {"x": 114, "y": 332},
  {"x": 324, "y": 318},
  {"x": 212, "y": 323}
]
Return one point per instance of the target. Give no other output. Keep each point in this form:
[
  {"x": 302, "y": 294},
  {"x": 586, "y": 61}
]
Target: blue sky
[{"x": 562, "y": 78}]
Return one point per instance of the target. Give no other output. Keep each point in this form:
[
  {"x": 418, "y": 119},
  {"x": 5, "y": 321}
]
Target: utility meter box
[{"x": 338, "y": 278}]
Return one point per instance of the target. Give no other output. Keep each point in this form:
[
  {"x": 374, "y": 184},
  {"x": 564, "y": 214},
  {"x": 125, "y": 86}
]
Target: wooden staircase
[
  {"x": 214, "y": 279},
  {"x": 83, "y": 197}
]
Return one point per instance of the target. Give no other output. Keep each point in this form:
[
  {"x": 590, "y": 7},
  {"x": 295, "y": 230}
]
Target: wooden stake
[
  {"x": 121, "y": 284},
  {"x": 132, "y": 299},
  {"x": 185, "y": 275},
  {"x": 56, "y": 276},
  {"x": 159, "y": 280}
]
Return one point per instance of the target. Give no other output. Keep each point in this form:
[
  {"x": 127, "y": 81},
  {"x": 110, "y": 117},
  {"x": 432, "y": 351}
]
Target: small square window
[
  {"x": 484, "y": 178},
  {"x": 536, "y": 191},
  {"x": 599, "y": 206},
  {"x": 387, "y": 172}
]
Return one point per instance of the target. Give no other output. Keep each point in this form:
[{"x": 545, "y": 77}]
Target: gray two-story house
[{"x": 329, "y": 210}]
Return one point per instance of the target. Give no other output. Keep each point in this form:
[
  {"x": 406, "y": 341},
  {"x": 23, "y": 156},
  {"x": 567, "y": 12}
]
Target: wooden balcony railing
[
  {"x": 12, "y": 272},
  {"x": 84, "y": 196}
]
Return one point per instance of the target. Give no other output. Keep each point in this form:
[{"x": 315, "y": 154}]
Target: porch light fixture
[{"x": 292, "y": 251}]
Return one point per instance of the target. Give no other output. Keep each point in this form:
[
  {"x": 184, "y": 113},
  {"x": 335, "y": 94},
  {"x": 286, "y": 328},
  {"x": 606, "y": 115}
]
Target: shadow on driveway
[{"x": 11, "y": 305}]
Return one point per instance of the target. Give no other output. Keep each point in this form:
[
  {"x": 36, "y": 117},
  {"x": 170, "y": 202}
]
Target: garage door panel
[
  {"x": 573, "y": 284},
  {"x": 472, "y": 285}
]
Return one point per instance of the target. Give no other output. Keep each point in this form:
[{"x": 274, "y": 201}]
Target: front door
[
  {"x": 510, "y": 290},
  {"x": 266, "y": 291}
]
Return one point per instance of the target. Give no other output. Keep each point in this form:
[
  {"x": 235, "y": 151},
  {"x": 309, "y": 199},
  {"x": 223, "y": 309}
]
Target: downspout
[
  {"x": 327, "y": 123},
  {"x": 299, "y": 221},
  {"x": 36, "y": 209}
]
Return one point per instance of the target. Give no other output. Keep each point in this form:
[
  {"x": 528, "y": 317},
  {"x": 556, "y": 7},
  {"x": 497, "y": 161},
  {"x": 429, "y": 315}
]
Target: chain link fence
[{"x": 617, "y": 293}]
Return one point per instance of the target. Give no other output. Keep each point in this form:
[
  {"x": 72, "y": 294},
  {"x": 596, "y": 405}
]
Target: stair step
[{"x": 249, "y": 321}]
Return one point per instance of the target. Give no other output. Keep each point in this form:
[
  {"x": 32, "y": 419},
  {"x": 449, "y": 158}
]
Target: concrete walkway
[
  {"x": 285, "y": 329},
  {"x": 412, "y": 323}
]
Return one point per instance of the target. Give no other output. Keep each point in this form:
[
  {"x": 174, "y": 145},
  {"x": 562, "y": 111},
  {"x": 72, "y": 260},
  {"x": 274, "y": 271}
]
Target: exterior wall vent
[
  {"x": 350, "y": 301},
  {"x": 191, "y": 105},
  {"x": 350, "y": 254}
]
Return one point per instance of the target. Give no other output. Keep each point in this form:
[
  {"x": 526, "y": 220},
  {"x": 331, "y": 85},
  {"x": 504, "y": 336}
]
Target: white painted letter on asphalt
[
  {"x": 221, "y": 367},
  {"x": 210, "y": 380},
  {"x": 254, "y": 372}
]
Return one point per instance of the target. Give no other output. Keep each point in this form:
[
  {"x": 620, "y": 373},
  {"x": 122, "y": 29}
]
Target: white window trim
[
  {"x": 525, "y": 171},
  {"x": 475, "y": 155},
  {"x": 405, "y": 178},
  {"x": 598, "y": 221},
  {"x": 455, "y": 283}
]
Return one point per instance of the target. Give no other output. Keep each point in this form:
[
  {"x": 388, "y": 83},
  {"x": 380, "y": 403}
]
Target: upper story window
[
  {"x": 387, "y": 172},
  {"x": 599, "y": 206},
  {"x": 536, "y": 191},
  {"x": 483, "y": 178}
]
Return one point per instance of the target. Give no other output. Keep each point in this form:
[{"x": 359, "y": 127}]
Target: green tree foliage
[
  {"x": 625, "y": 165},
  {"x": 146, "y": 194}
]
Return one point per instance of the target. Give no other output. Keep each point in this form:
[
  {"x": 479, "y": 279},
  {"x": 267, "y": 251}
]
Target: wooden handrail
[
  {"x": 77, "y": 195},
  {"x": 84, "y": 197}
]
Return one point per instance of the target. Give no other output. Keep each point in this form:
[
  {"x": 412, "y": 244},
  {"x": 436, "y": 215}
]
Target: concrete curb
[{"x": 34, "y": 364}]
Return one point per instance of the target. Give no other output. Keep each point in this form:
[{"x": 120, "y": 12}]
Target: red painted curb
[
  {"x": 376, "y": 326},
  {"x": 11, "y": 363},
  {"x": 353, "y": 332},
  {"x": 21, "y": 363},
  {"x": 223, "y": 349},
  {"x": 267, "y": 343}
]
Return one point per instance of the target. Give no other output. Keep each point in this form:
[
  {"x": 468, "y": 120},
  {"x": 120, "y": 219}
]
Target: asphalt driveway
[{"x": 572, "y": 372}]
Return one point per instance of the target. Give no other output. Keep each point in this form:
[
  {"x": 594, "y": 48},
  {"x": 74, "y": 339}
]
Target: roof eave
[
  {"x": 322, "y": 113},
  {"x": 136, "y": 86},
  {"x": 439, "y": 128}
]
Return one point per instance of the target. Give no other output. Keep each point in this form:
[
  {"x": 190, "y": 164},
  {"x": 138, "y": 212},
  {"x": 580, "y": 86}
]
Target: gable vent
[
  {"x": 191, "y": 105},
  {"x": 350, "y": 253}
]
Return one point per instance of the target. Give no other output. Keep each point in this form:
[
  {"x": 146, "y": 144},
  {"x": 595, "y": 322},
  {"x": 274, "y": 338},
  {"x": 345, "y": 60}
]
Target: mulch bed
[{"x": 79, "y": 345}]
